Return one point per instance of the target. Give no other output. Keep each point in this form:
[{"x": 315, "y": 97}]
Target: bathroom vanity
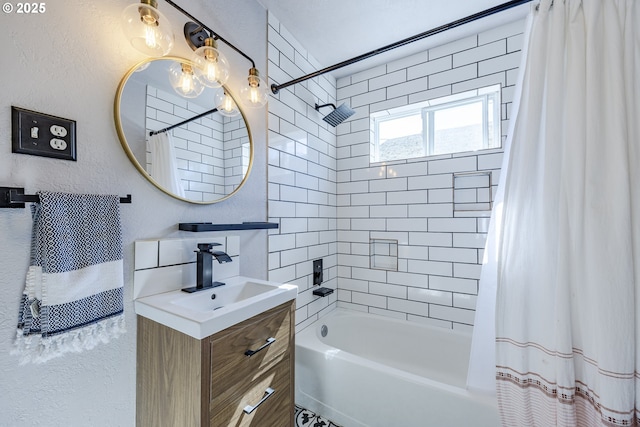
[{"x": 240, "y": 376}]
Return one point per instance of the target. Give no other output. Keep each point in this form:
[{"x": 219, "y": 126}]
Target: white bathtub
[{"x": 375, "y": 371}]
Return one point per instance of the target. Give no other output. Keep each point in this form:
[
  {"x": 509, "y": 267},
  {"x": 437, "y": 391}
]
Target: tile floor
[{"x": 306, "y": 418}]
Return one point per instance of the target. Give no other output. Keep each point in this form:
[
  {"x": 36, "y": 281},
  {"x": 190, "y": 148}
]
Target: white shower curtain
[
  {"x": 568, "y": 253},
  {"x": 164, "y": 168}
]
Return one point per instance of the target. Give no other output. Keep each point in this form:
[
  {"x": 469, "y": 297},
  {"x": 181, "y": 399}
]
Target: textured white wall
[{"x": 68, "y": 62}]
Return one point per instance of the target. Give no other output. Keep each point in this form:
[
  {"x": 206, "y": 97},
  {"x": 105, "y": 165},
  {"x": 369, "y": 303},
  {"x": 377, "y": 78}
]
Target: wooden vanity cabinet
[{"x": 183, "y": 381}]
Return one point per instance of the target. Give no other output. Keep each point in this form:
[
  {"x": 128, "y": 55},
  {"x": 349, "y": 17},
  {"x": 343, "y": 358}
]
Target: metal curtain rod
[
  {"x": 483, "y": 14},
  {"x": 14, "y": 197},
  {"x": 211, "y": 32},
  {"x": 155, "y": 132}
]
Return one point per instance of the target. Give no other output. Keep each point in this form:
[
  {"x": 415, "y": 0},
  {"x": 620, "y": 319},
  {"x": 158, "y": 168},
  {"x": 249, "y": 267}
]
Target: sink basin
[
  {"x": 199, "y": 315},
  {"x": 220, "y": 296}
]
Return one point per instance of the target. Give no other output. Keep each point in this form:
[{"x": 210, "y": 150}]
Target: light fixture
[
  {"x": 212, "y": 63},
  {"x": 225, "y": 104},
  {"x": 147, "y": 29},
  {"x": 255, "y": 92},
  {"x": 185, "y": 80}
]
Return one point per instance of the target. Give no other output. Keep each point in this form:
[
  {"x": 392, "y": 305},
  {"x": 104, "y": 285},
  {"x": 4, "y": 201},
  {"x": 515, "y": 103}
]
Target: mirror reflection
[{"x": 185, "y": 146}]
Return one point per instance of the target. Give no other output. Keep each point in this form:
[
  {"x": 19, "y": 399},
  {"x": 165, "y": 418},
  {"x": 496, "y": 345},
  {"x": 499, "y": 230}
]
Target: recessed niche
[{"x": 383, "y": 254}]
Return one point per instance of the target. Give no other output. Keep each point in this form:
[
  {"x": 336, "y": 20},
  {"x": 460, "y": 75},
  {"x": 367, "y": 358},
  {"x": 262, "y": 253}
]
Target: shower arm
[{"x": 483, "y": 14}]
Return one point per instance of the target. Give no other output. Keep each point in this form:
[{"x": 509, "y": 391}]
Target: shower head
[{"x": 338, "y": 115}]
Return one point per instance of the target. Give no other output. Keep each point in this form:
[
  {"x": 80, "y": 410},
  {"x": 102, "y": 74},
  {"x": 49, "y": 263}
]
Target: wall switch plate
[{"x": 41, "y": 134}]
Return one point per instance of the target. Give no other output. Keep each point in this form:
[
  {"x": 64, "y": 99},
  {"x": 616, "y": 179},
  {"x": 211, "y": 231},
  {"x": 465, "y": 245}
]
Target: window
[{"x": 463, "y": 122}]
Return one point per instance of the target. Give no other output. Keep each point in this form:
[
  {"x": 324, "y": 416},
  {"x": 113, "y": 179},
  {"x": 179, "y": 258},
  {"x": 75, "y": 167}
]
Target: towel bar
[{"x": 14, "y": 197}]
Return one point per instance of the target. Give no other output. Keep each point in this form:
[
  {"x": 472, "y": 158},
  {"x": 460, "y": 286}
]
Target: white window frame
[{"x": 428, "y": 109}]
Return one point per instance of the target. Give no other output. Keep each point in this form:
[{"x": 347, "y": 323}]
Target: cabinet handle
[
  {"x": 267, "y": 393},
  {"x": 270, "y": 341}
]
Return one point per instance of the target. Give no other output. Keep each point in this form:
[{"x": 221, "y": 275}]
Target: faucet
[{"x": 205, "y": 255}]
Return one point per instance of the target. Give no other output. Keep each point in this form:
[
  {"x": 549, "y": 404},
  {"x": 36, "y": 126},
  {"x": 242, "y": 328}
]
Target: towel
[{"x": 73, "y": 296}]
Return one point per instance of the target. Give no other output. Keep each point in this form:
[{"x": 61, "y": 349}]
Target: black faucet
[{"x": 204, "y": 278}]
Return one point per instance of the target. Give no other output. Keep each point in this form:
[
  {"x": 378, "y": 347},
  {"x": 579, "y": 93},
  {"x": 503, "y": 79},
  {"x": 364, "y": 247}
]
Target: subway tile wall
[
  {"x": 331, "y": 202},
  {"x": 437, "y": 208},
  {"x": 302, "y": 175}
]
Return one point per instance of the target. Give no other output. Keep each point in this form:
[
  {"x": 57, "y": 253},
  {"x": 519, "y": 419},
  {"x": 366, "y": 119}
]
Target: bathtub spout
[{"x": 323, "y": 292}]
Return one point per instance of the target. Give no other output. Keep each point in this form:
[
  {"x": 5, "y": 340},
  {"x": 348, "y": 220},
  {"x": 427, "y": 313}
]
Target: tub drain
[{"x": 324, "y": 331}]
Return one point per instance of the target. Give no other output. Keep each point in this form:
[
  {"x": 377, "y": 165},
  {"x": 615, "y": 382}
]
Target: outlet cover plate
[{"x": 42, "y": 134}]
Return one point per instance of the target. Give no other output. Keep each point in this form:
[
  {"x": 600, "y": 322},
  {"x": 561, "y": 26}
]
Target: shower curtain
[
  {"x": 164, "y": 168},
  {"x": 567, "y": 321}
]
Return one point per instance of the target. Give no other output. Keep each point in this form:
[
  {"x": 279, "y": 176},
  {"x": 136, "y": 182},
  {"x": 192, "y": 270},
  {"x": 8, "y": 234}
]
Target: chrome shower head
[{"x": 338, "y": 115}]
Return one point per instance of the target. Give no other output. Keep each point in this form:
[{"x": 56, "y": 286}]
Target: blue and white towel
[{"x": 73, "y": 296}]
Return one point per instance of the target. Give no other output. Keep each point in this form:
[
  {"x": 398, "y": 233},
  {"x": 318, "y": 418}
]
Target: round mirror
[{"x": 182, "y": 143}]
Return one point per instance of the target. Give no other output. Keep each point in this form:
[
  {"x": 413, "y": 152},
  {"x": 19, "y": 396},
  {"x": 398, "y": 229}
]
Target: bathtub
[{"x": 374, "y": 371}]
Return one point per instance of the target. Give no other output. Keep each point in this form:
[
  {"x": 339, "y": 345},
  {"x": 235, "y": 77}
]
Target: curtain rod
[
  {"x": 155, "y": 132},
  {"x": 483, "y": 14}
]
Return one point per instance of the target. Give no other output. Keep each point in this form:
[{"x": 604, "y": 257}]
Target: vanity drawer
[
  {"x": 231, "y": 367},
  {"x": 272, "y": 389}
]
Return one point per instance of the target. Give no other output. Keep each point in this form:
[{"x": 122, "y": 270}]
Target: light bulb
[
  {"x": 147, "y": 29},
  {"x": 225, "y": 104},
  {"x": 185, "y": 80},
  {"x": 255, "y": 93},
  {"x": 212, "y": 63}
]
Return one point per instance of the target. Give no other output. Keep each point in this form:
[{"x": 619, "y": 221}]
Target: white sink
[{"x": 199, "y": 315}]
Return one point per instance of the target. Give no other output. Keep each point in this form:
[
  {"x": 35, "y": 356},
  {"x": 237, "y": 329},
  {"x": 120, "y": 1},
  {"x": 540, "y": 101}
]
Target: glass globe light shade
[
  {"x": 212, "y": 63},
  {"x": 185, "y": 80},
  {"x": 147, "y": 29},
  {"x": 255, "y": 92},
  {"x": 225, "y": 104}
]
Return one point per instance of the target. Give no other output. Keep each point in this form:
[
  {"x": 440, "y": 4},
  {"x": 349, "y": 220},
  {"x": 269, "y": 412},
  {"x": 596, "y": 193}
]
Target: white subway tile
[
  {"x": 433, "y": 210},
  {"x": 453, "y": 76},
  {"x": 406, "y": 306},
  {"x": 453, "y": 254},
  {"x": 407, "y": 61},
  {"x": 431, "y": 296},
  {"x": 389, "y": 184},
  {"x": 280, "y": 242},
  {"x": 408, "y": 279},
  {"x": 465, "y": 301},
  {"x": 469, "y": 240},
  {"x": 444, "y": 195},
  {"x": 500, "y": 63},
  {"x": 430, "y": 67},
  {"x": 407, "y": 170},
  {"x": 401, "y": 237},
  {"x": 407, "y": 224},
  {"x": 353, "y": 212},
  {"x": 368, "y": 98},
  {"x": 145, "y": 254},
  {"x": 369, "y": 299},
  {"x": 387, "y": 313},
  {"x": 427, "y": 95},
  {"x": 407, "y": 197},
  {"x": 453, "y": 47},
  {"x": 461, "y": 164},
  {"x": 368, "y": 199},
  {"x": 454, "y": 225},
  {"x": 391, "y": 211},
  {"x": 388, "y": 290},
  {"x": 430, "y": 239},
  {"x": 368, "y": 74},
  {"x": 354, "y": 285},
  {"x": 353, "y": 90},
  {"x": 430, "y": 267},
  {"x": 376, "y": 172},
  {"x": 413, "y": 252},
  {"x": 452, "y": 314},
  {"x": 469, "y": 271},
  {"x": 368, "y": 224},
  {"x": 490, "y": 50},
  {"x": 386, "y": 80},
  {"x": 409, "y": 87}
]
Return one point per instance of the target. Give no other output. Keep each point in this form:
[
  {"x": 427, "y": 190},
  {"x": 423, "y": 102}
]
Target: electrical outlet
[
  {"x": 58, "y": 144},
  {"x": 41, "y": 134},
  {"x": 317, "y": 272}
]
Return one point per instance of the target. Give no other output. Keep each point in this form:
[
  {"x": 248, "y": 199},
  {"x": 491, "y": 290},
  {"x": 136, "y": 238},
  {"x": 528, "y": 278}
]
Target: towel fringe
[{"x": 38, "y": 349}]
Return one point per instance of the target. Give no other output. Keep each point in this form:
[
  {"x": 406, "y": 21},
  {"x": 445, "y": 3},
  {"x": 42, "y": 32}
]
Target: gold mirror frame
[{"x": 125, "y": 145}]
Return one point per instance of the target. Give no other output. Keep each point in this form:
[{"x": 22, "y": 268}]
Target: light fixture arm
[{"x": 212, "y": 33}]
